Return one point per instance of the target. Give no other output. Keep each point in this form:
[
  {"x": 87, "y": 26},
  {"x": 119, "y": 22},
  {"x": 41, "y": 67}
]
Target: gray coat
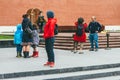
[{"x": 36, "y": 38}]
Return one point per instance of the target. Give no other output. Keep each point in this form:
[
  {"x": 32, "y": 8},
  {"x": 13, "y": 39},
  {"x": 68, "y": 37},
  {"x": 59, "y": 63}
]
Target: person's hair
[
  {"x": 35, "y": 27},
  {"x": 80, "y": 20},
  {"x": 25, "y": 15},
  {"x": 40, "y": 12}
]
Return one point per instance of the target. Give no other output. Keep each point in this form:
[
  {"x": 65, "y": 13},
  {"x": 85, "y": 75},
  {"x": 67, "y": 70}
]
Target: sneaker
[
  {"x": 51, "y": 64},
  {"x": 47, "y": 64},
  {"x": 81, "y": 52},
  {"x": 96, "y": 49},
  {"x": 91, "y": 49},
  {"x": 75, "y": 51}
]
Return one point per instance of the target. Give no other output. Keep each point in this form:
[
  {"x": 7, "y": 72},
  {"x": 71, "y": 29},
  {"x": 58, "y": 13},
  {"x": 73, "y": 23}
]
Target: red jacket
[
  {"x": 49, "y": 28},
  {"x": 80, "y": 38}
]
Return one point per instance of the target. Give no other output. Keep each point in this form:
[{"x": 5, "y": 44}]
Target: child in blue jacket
[{"x": 18, "y": 40}]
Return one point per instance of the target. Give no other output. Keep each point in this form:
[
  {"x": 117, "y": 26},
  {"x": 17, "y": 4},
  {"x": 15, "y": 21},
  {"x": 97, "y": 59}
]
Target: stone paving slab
[{"x": 9, "y": 64}]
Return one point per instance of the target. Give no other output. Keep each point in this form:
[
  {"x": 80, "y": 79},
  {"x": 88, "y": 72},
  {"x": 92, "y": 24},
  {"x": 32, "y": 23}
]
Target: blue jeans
[
  {"x": 49, "y": 45},
  {"x": 18, "y": 48},
  {"x": 93, "y": 37}
]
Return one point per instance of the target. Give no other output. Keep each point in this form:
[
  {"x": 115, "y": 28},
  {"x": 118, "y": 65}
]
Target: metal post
[{"x": 107, "y": 35}]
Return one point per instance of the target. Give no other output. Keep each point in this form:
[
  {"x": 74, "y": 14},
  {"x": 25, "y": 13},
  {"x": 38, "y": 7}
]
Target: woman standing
[
  {"x": 27, "y": 38},
  {"x": 79, "y": 38}
]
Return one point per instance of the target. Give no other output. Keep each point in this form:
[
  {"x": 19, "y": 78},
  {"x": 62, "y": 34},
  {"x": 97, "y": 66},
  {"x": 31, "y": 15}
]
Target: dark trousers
[
  {"x": 49, "y": 45},
  {"x": 18, "y": 48}
]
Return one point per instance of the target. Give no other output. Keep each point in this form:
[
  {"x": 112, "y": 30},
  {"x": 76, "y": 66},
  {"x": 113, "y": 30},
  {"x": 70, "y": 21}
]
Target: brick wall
[{"x": 66, "y": 11}]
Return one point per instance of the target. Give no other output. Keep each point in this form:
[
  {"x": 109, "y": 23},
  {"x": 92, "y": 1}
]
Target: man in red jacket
[{"x": 49, "y": 38}]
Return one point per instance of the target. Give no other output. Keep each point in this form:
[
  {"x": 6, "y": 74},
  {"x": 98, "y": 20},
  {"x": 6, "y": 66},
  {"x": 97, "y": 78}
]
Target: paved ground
[{"x": 64, "y": 59}]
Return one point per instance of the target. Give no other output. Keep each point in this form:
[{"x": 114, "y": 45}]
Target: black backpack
[
  {"x": 56, "y": 29},
  {"x": 79, "y": 31}
]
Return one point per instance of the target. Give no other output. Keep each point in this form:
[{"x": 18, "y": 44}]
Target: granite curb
[
  {"x": 90, "y": 76},
  {"x": 56, "y": 71},
  {"x": 6, "y": 43}
]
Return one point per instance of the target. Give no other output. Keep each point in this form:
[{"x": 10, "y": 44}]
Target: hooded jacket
[
  {"x": 49, "y": 28},
  {"x": 18, "y": 35},
  {"x": 36, "y": 38},
  {"x": 50, "y": 25}
]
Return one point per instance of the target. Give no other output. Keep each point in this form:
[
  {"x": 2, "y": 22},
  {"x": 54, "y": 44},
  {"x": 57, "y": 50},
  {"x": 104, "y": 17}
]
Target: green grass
[{"x": 6, "y": 36}]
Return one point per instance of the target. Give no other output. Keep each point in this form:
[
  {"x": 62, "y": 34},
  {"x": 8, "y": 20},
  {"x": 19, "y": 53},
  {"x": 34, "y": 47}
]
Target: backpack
[
  {"x": 56, "y": 29},
  {"x": 101, "y": 28},
  {"x": 79, "y": 31},
  {"x": 27, "y": 28}
]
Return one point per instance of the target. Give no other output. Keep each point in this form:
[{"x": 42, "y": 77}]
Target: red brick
[{"x": 66, "y": 11}]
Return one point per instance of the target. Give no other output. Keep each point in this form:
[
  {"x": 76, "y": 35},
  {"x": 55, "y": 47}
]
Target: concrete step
[
  {"x": 66, "y": 70},
  {"x": 107, "y": 78},
  {"x": 90, "y": 75},
  {"x": 85, "y": 47},
  {"x": 117, "y": 77},
  {"x": 72, "y": 74},
  {"x": 67, "y": 41}
]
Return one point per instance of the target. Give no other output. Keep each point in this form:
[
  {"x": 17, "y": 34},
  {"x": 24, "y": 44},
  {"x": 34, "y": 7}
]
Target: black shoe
[
  {"x": 27, "y": 55},
  {"x": 91, "y": 49},
  {"x": 75, "y": 51}
]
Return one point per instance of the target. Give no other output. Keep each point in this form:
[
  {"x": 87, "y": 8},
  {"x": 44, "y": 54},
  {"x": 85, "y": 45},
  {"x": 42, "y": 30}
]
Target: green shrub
[{"x": 6, "y": 36}]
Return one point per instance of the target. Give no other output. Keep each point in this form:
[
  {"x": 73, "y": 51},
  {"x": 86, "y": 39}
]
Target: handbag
[
  {"x": 27, "y": 29},
  {"x": 56, "y": 29}
]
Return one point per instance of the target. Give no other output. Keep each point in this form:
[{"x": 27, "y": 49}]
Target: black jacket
[
  {"x": 93, "y": 27},
  {"x": 26, "y": 23}
]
